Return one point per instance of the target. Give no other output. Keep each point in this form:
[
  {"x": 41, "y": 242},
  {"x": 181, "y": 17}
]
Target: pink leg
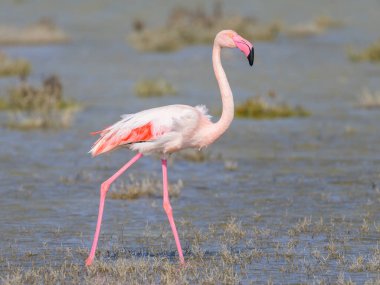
[
  {"x": 168, "y": 210},
  {"x": 103, "y": 191}
]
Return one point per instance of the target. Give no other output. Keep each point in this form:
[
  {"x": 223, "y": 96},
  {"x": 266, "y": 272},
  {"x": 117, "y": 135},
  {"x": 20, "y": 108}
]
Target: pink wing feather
[{"x": 111, "y": 138}]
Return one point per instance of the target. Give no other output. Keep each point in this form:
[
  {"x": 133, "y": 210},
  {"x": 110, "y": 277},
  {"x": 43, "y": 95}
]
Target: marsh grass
[
  {"x": 186, "y": 27},
  {"x": 154, "y": 88},
  {"x": 43, "y": 31},
  {"x": 195, "y": 155},
  {"x": 13, "y": 67},
  {"x": 371, "y": 53},
  {"x": 268, "y": 107},
  {"x": 328, "y": 22},
  {"x": 43, "y": 107},
  {"x": 147, "y": 186},
  {"x": 368, "y": 99},
  {"x": 225, "y": 253},
  {"x": 316, "y": 27}
]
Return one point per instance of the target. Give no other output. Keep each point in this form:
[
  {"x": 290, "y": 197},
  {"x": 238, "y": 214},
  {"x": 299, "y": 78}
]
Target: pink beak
[{"x": 246, "y": 47}]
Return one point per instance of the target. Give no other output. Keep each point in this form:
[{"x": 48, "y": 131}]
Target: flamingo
[{"x": 168, "y": 129}]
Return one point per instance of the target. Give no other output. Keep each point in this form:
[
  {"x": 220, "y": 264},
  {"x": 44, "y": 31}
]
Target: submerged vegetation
[
  {"x": 189, "y": 27},
  {"x": 33, "y": 107},
  {"x": 268, "y": 108},
  {"x": 148, "y": 186},
  {"x": 13, "y": 67},
  {"x": 371, "y": 53},
  {"x": 43, "y": 32},
  {"x": 154, "y": 88},
  {"x": 238, "y": 252}
]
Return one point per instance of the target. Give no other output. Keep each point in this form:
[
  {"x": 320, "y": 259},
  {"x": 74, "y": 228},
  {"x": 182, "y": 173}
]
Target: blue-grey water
[{"x": 326, "y": 165}]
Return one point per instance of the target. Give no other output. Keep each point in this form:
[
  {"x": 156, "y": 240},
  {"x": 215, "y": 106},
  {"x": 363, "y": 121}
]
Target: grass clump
[
  {"x": 186, "y": 27},
  {"x": 327, "y": 23},
  {"x": 368, "y": 99},
  {"x": 267, "y": 108},
  {"x": 13, "y": 67},
  {"x": 371, "y": 53},
  {"x": 154, "y": 88},
  {"x": 38, "y": 107},
  {"x": 194, "y": 155},
  {"x": 146, "y": 187},
  {"x": 315, "y": 27},
  {"x": 44, "y": 31}
]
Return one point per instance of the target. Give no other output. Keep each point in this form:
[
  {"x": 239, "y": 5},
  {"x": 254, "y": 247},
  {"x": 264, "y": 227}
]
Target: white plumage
[{"x": 163, "y": 129}]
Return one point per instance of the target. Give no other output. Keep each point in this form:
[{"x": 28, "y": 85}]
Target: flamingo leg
[
  {"x": 103, "y": 191},
  {"x": 168, "y": 209}
]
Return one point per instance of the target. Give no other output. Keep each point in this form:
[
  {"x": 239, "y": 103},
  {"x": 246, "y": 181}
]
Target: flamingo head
[{"x": 231, "y": 39}]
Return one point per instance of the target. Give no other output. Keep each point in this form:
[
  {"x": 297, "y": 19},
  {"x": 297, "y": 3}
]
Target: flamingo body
[
  {"x": 169, "y": 129},
  {"x": 158, "y": 130}
]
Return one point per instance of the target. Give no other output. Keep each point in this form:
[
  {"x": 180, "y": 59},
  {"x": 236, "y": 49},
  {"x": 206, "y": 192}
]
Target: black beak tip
[{"x": 251, "y": 57}]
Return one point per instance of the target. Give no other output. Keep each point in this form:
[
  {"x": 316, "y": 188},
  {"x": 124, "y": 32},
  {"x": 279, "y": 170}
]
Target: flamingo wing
[{"x": 147, "y": 126}]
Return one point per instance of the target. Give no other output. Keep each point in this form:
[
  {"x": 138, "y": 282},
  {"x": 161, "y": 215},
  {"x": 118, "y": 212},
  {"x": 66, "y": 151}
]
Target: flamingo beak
[
  {"x": 251, "y": 56},
  {"x": 246, "y": 47}
]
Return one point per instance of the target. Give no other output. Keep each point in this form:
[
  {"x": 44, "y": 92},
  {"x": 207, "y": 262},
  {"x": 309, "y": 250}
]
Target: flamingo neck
[{"x": 225, "y": 91}]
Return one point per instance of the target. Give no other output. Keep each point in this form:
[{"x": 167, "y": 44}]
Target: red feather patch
[{"x": 109, "y": 141}]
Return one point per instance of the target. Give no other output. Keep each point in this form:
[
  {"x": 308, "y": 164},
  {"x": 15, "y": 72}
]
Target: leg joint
[
  {"x": 167, "y": 207},
  {"x": 104, "y": 188}
]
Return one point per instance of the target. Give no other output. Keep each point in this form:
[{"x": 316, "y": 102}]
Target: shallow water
[{"x": 326, "y": 165}]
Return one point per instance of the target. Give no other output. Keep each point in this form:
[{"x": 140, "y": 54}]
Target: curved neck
[{"x": 225, "y": 91}]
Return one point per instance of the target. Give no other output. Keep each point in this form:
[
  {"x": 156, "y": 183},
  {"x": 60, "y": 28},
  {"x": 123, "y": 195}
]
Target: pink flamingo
[{"x": 168, "y": 129}]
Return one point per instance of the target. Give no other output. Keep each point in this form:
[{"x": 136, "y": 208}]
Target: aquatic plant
[
  {"x": 371, "y": 53},
  {"x": 38, "y": 107},
  {"x": 267, "y": 108},
  {"x": 44, "y": 31},
  {"x": 190, "y": 27},
  {"x": 368, "y": 99},
  {"x": 148, "y": 186},
  {"x": 13, "y": 67},
  {"x": 154, "y": 88}
]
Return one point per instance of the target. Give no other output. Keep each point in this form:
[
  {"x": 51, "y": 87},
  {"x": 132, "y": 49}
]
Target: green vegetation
[
  {"x": 190, "y": 27},
  {"x": 38, "y": 107},
  {"x": 154, "y": 88},
  {"x": 371, "y": 53},
  {"x": 13, "y": 67},
  {"x": 146, "y": 187},
  {"x": 267, "y": 108}
]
